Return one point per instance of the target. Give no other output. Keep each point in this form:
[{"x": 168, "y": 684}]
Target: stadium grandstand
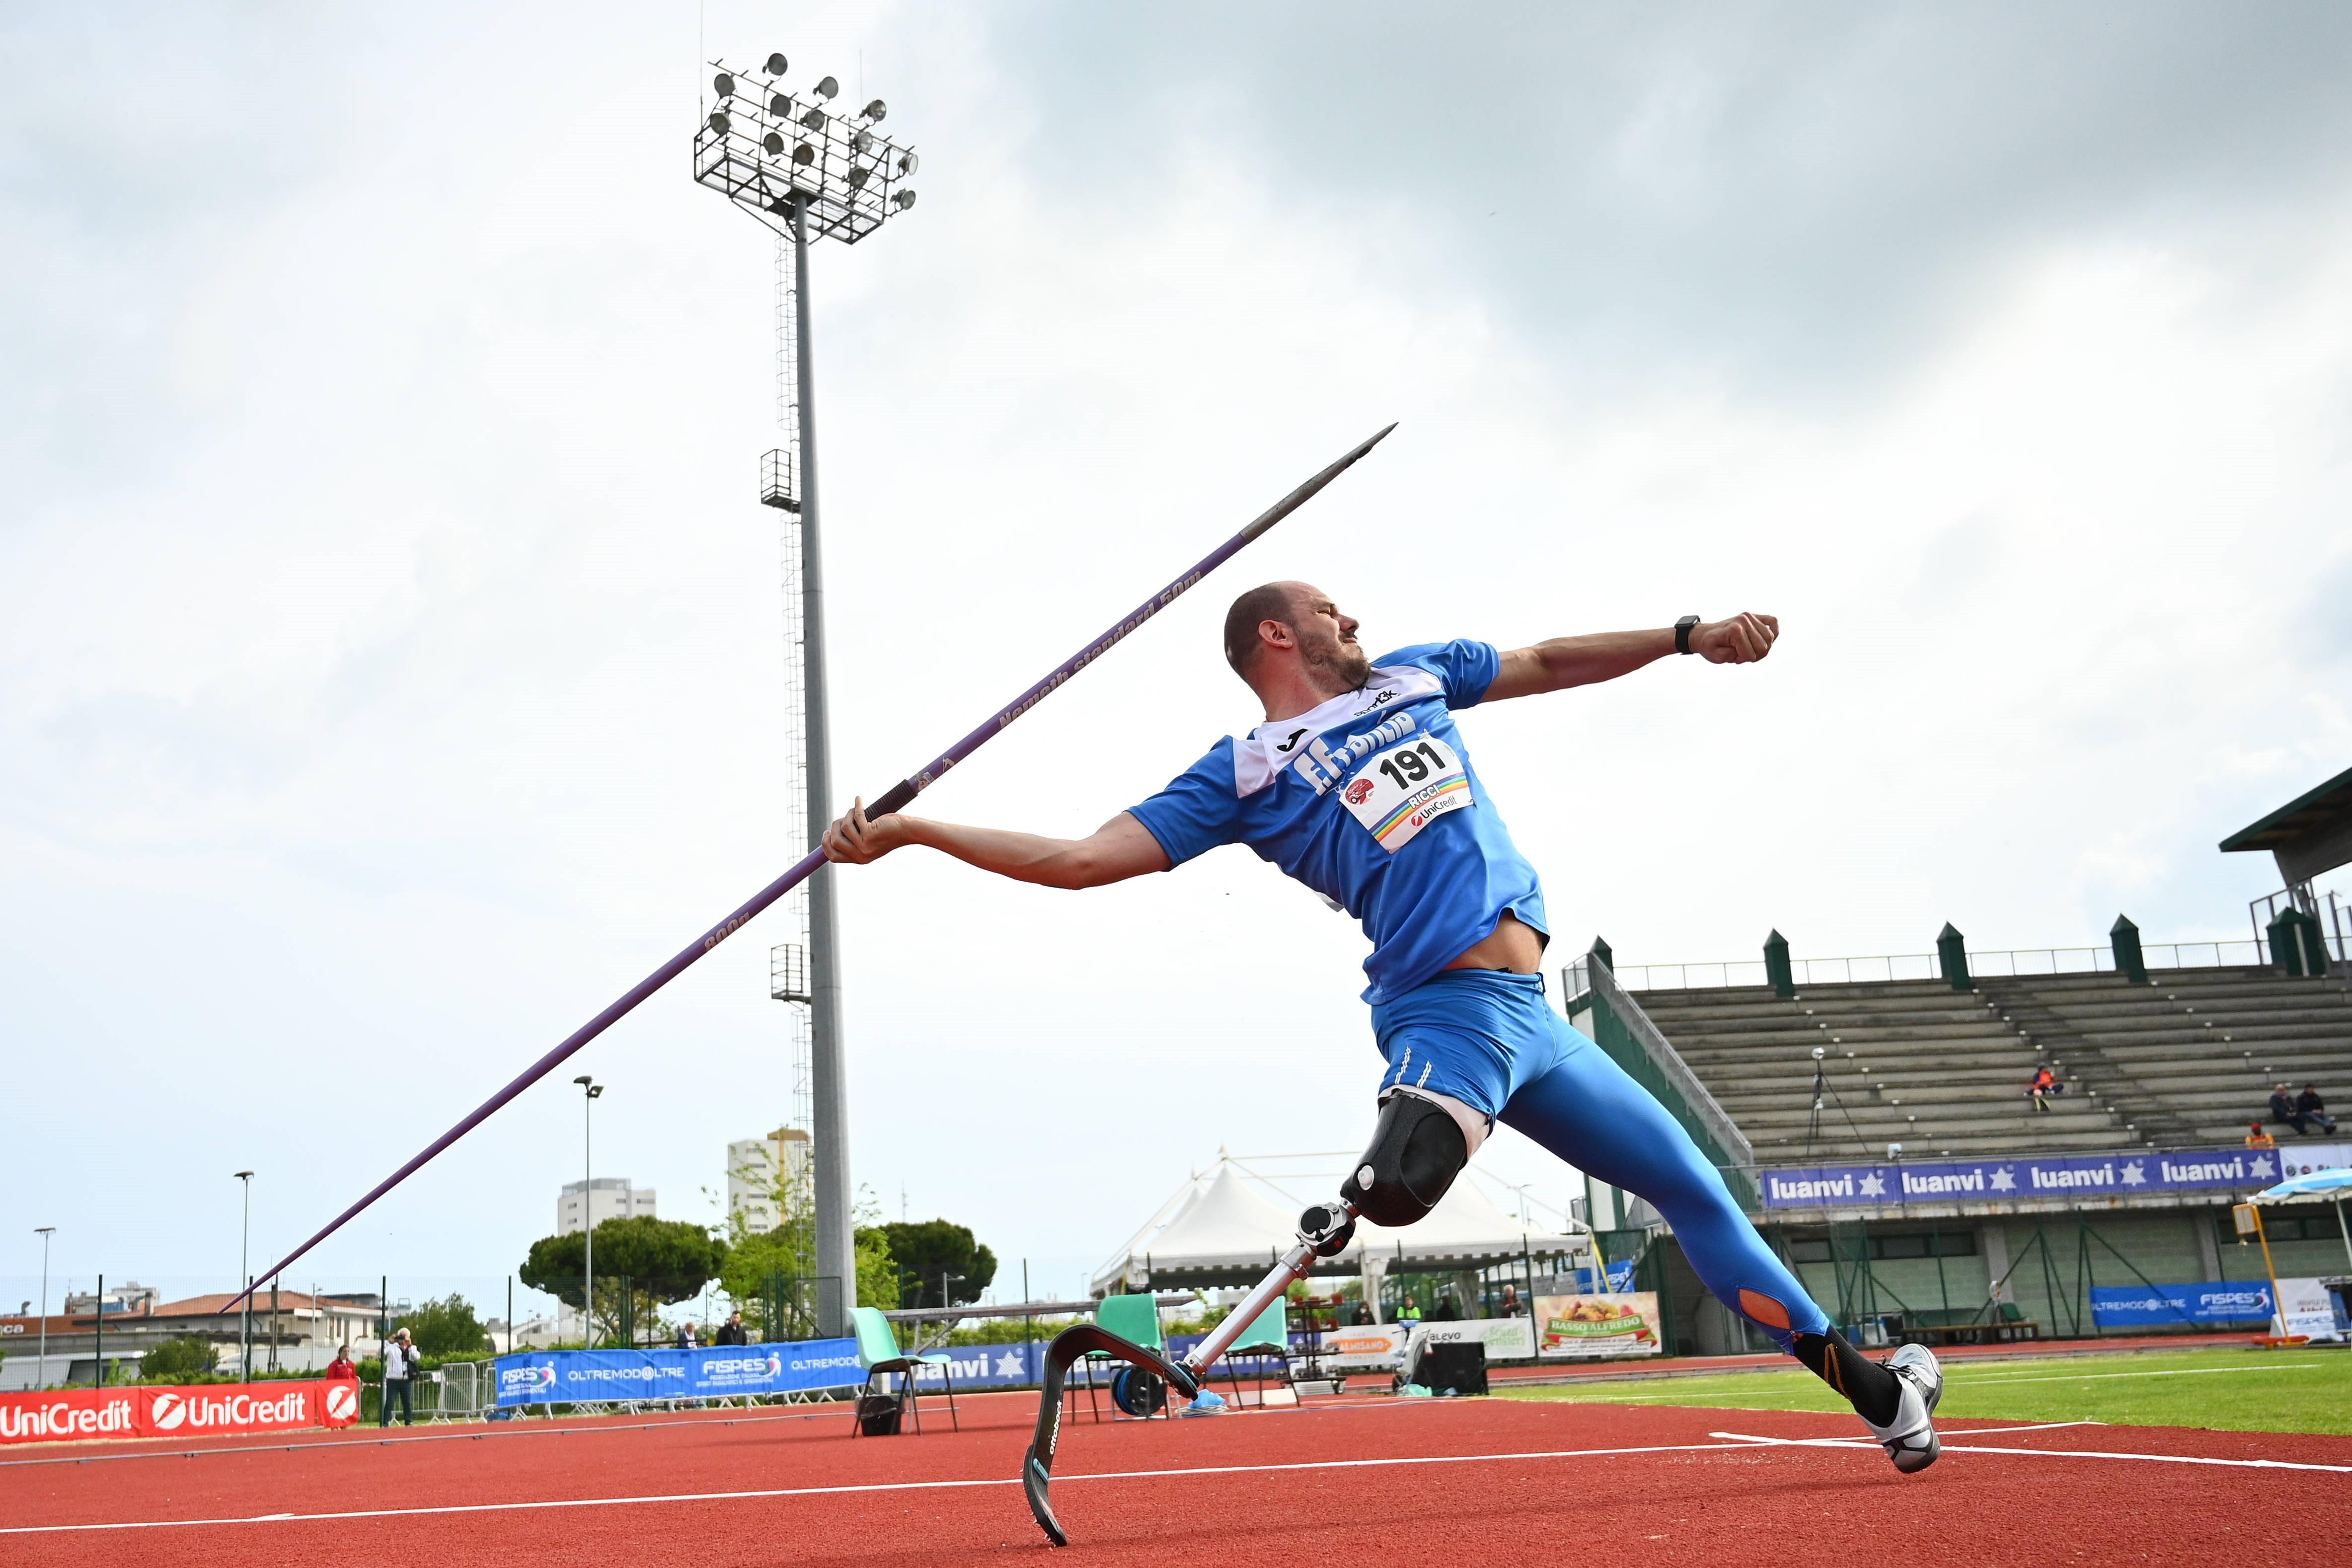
[{"x": 1878, "y": 1115}]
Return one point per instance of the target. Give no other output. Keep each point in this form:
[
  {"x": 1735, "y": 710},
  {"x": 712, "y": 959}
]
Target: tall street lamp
[
  {"x": 45, "y": 1232},
  {"x": 244, "y": 1262},
  {"x": 590, "y": 1090}
]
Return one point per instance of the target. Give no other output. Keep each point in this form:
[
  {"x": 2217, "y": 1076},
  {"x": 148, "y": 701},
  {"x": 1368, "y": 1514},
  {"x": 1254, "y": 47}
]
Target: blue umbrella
[{"x": 2336, "y": 1185}]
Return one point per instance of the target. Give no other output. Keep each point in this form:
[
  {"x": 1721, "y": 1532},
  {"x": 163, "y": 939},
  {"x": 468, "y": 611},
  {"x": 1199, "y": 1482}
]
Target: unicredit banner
[
  {"x": 2008, "y": 1181},
  {"x": 219, "y": 1409}
]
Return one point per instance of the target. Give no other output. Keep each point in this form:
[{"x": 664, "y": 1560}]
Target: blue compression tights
[{"x": 1587, "y": 1111}]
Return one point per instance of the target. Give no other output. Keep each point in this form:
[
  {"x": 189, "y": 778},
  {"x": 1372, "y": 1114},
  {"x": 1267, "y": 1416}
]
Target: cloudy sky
[{"x": 390, "y": 662}]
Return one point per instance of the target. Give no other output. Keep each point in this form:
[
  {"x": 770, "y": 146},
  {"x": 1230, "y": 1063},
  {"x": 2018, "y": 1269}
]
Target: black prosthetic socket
[{"x": 1875, "y": 1393}]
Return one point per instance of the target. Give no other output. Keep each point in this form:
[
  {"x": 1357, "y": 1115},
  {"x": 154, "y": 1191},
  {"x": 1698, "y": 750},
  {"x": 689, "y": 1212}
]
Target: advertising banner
[
  {"x": 591, "y": 1376},
  {"x": 2061, "y": 1175},
  {"x": 2205, "y": 1305},
  {"x": 1588, "y": 1328},
  {"x": 1370, "y": 1347},
  {"x": 206, "y": 1409},
  {"x": 1505, "y": 1338},
  {"x": 2299, "y": 1158},
  {"x": 2307, "y": 1307}
]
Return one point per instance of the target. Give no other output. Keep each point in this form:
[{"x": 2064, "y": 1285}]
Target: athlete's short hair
[{"x": 1267, "y": 601}]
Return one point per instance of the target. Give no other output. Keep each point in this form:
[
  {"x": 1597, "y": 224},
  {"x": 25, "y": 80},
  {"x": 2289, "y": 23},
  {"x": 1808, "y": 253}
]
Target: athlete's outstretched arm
[
  {"x": 1565, "y": 661},
  {"x": 1119, "y": 849}
]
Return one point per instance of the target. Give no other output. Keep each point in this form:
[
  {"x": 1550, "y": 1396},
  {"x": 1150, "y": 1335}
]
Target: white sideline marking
[
  {"x": 2046, "y": 1453},
  {"x": 2086, "y": 1376},
  {"x": 877, "y": 1486}
]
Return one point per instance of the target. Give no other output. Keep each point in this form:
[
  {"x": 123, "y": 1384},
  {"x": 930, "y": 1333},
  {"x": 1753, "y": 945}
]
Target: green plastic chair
[
  {"x": 1269, "y": 1336},
  {"x": 878, "y": 1354},
  {"x": 1134, "y": 1318}
]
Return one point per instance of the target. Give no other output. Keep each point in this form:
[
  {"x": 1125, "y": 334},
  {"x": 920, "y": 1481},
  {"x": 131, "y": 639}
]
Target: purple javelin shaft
[{"x": 893, "y": 799}]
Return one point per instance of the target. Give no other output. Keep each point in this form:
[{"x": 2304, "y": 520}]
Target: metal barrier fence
[{"x": 1990, "y": 964}]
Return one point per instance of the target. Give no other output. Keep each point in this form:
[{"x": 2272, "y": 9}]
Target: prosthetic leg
[{"x": 1417, "y": 1150}]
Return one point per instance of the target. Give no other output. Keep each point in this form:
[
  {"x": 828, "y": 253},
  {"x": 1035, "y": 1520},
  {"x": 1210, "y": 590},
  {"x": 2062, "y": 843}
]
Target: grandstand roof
[{"x": 2311, "y": 834}]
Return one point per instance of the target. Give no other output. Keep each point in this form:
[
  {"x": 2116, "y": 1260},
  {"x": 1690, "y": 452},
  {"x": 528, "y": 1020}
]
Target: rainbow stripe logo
[{"x": 1411, "y": 817}]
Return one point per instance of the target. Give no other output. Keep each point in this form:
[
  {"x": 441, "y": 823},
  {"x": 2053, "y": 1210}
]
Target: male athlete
[{"x": 1356, "y": 784}]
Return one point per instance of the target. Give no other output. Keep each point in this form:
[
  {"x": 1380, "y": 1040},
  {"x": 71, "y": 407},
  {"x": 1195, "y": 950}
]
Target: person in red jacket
[{"x": 342, "y": 1367}]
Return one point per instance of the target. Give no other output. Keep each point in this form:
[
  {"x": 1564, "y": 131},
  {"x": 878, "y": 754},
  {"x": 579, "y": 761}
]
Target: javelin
[{"x": 893, "y": 799}]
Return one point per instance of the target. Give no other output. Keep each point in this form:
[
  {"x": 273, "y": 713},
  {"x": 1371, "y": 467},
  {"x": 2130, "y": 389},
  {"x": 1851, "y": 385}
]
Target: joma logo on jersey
[{"x": 1323, "y": 765}]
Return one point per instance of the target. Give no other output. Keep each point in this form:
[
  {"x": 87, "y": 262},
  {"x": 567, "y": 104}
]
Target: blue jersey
[{"x": 1371, "y": 800}]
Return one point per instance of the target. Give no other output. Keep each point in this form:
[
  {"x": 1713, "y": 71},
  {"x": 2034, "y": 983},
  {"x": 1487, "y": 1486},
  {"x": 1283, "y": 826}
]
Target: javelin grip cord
[{"x": 892, "y": 800}]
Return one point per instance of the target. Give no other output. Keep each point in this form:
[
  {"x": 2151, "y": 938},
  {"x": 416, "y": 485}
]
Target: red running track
[{"x": 1448, "y": 1482}]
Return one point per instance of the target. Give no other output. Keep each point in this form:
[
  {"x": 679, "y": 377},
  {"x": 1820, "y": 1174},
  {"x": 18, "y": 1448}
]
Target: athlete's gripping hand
[
  {"x": 1742, "y": 640},
  {"x": 855, "y": 839}
]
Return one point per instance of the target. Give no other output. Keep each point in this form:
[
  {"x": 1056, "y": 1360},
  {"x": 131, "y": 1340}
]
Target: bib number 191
[{"x": 1402, "y": 790}]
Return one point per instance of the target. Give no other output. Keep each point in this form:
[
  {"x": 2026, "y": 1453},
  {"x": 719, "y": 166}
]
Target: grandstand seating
[{"x": 2187, "y": 1059}]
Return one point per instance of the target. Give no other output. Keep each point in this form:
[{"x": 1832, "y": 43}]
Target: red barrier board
[{"x": 226, "y": 1409}]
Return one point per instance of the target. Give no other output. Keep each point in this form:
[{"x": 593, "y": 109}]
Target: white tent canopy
[
  {"x": 1465, "y": 1230},
  {"x": 1224, "y": 1227},
  {"x": 1220, "y": 1229}
]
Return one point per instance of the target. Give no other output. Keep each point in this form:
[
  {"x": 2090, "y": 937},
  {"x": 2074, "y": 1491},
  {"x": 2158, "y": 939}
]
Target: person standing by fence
[{"x": 400, "y": 1359}]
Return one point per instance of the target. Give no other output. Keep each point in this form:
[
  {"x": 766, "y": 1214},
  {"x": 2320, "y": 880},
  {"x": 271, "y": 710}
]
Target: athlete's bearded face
[{"x": 1327, "y": 641}]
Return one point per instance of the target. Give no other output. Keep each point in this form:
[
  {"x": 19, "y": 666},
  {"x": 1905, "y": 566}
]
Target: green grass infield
[{"x": 2227, "y": 1390}]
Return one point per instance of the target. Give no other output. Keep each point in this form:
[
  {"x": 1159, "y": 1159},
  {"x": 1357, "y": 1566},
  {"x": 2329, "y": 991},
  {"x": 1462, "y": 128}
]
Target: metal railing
[{"x": 1993, "y": 963}]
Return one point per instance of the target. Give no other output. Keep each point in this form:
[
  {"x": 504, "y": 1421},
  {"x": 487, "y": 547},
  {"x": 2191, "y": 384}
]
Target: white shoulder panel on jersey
[{"x": 1262, "y": 754}]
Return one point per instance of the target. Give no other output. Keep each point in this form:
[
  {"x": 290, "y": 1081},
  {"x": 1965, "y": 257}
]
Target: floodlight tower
[{"x": 805, "y": 172}]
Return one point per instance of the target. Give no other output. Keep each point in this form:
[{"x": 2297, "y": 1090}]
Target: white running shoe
[{"x": 1910, "y": 1438}]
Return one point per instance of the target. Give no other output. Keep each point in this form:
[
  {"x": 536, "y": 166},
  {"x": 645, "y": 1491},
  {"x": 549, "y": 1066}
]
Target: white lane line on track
[
  {"x": 1858, "y": 1442},
  {"x": 2043, "y": 1453},
  {"x": 2005, "y": 1378},
  {"x": 876, "y": 1487}
]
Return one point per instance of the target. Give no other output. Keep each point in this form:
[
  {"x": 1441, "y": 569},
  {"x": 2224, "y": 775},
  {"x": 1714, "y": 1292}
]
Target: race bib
[{"x": 1403, "y": 789}]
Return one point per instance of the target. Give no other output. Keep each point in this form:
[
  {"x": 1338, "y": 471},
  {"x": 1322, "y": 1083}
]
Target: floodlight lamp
[
  {"x": 862, "y": 141},
  {"x": 776, "y": 65},
  {"x": 725, "y": 84},
  {"x": 595, "y": 1091},
  {"x": 908, "y": 162},
  {"x": 1818, "y": 1054},
  {"x": 813, "y": 118},
  {"x": 773, "y": 144},
  {"x": 858, "y": 174},
  {"x": 828, "y": 88},
  {"x": 779, "y": 103},
  {"x": 903, "y": 200},
  {"x": 875, "y": 109},
  {"x": 584, "y": 1079},
  {"x": 719, "y": 122},
  {"x": 803, "y": 154}
]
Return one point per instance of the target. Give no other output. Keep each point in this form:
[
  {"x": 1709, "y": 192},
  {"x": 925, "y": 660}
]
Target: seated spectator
[
  {"x": 731, "y": 1331},
  {"x": 2314, "y": 1108},
  {"x": 2283, "y": 1110},
  {"x": 1510, "y": 1307},
  {"x": 1362, "y": 1316},
  {"x": 2256, "y": 1138},
  {"x": 342, "y": 1365},
  {"x": 1409, "y": 1313},
  {"x": 2045, "y": 1083},
  {"x": 1446, "y": 1310}
]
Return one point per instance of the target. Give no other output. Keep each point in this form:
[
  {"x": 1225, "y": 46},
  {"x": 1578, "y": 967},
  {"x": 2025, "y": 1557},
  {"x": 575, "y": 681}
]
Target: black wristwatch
[{"x": 1682, "y": 633}]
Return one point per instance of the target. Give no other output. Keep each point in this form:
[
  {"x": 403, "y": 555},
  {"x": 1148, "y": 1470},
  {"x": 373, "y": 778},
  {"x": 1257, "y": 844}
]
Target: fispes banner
[
  {"x": 2224, "y": 1302},
  {"x": 589, "y": 1377}
]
